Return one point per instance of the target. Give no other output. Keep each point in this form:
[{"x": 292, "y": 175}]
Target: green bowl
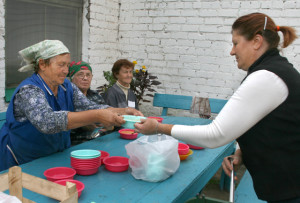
[
  {"x": 131, "y": 120},
  {"x": 85, "y": 154}
]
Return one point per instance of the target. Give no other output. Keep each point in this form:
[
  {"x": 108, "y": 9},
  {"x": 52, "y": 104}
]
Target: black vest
[{"x": 271, "y": 148}]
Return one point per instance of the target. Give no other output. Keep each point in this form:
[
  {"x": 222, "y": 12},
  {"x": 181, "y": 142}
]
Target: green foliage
[
  {"x": 141, "y": 83},
  {"x": 111, "y": 80}
]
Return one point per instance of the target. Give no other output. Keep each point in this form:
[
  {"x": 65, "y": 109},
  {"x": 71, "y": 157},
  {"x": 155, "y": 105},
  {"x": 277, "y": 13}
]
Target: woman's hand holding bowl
[
  {"x": 147, "y": 126},
  {"x": 132, "y": 111},
  {"x": 109, "y": 118}
]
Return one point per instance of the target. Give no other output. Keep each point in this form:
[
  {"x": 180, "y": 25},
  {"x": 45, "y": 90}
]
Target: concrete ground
[{"x": 212, "y": 189}]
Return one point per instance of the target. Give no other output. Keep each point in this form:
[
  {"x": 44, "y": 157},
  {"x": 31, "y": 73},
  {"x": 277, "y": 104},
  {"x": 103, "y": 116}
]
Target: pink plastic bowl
[
  {"x": 79, "y": 185},
  {"x": 59, "y": 173},
  {"x": 85, "y": 171},
  {"x": 86, "y": 166},
  {"x": 104, "y": 154},
  {"x": 183, "y": 149},
  {"x": 97, "y": 159},
  {"x": 85, "y": 161},
  {"x": 128, "y": 134},
  {"x": 116, "y": 163},
  {"x": 194, "y": 147},
  {"x": 159, "y": 119}
]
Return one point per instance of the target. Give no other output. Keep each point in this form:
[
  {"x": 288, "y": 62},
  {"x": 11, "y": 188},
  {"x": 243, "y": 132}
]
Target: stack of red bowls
[
  {"x": 184, "y": 151},
  {"x": 86, "y": 161}
]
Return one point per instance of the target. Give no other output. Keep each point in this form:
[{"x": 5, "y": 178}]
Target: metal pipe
[{"x": 232, "y": 187}]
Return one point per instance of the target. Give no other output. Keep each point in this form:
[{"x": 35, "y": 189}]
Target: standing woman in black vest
[{"x": 263, "y": 115}]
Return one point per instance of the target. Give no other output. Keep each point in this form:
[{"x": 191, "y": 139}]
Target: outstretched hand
[
  {"x": 132, "y": 111},
  {"x": 109, "y": 118},
  {"x": 147, "y": 126}
]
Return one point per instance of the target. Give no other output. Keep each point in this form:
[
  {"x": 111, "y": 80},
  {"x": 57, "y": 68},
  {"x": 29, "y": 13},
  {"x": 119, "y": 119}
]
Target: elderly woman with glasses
[
  {"x": 80, "y": 73},
  {"x": 45, "y": 106}
]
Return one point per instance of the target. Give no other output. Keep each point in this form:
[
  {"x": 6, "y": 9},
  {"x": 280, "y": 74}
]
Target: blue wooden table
[{"x": 105, "y": 186}]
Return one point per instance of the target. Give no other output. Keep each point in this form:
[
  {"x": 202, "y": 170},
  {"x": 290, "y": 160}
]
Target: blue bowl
[
  {"x": 131, "y": 120},
  {"x": 85, "y": 154}
]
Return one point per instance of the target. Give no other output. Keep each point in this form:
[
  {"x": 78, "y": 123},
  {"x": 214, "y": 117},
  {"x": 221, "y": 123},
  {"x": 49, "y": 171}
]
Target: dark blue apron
[{"x": 21, "y": 142}]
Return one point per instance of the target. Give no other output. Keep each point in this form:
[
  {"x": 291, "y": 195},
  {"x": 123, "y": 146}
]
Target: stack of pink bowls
[{"x": 86, "y": 161}]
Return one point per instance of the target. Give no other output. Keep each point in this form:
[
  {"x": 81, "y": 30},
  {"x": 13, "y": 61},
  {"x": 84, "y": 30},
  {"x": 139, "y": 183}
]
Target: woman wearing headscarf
[
  {"x": 45, "y": 106},
  {"x": 81, "y": 74},
  {"x": 263, "y": 114}
]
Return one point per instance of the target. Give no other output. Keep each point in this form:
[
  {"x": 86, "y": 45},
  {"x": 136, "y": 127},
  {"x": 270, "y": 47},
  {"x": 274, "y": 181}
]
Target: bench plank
[
  {"x": 245, "y": 192},
  {"x": 183, "y": 102}
]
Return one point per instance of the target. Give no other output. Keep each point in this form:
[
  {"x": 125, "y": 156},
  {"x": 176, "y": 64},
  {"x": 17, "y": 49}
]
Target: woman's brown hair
[
  {"x": 36, "y": 66},
  {"x": 118, "y": 64},
  {"x": 254, "y": 23}
]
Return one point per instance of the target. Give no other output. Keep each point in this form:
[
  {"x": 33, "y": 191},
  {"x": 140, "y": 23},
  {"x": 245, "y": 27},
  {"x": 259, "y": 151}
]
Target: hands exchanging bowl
[
  {"x": 110, "y": 118},
  {"x": 151, "y": 126},
  {"x": 113, "y": 116},
  {"x": 132, "y": 111},
  {"x": 147, "y": 126}
]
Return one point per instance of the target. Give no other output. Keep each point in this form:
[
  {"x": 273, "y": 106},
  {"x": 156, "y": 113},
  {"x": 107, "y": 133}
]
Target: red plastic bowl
[
  {"x": 104, "y": 154},
  {"x": 86, "y": 161},
  {"x": 194, "y": 147},
  {"x": 128, "y": 134},
  {"x": 183, "y": 149},
  {"x": 97, "y": 159},
  {"x": 85, "y": 166},
  {"x": 159, "y": 119},
  {"x": 86, "y": 172},
  {"x": 59, "y": 173},
  {"x": 116, "y": 163},
  {"x": 79, "y": 185}
]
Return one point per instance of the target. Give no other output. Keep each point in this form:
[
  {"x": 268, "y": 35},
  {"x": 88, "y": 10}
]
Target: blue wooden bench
[
  {"x": 2, "y": 118},
  {"x": 167, "y": 101},
  {"x": 244, "y": 192}
]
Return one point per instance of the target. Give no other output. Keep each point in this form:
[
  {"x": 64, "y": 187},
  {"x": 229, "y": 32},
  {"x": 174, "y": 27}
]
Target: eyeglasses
[{"x": 82, "y": 75}]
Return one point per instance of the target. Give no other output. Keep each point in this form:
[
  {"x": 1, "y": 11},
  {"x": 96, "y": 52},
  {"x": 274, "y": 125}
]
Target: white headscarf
[{"x": 43, "y": 50}]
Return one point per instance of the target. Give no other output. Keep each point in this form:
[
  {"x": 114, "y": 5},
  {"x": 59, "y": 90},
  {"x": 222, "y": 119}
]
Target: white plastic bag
[
  {"x": 153, "y": 158},
  {"x": 5, "y": 198}
]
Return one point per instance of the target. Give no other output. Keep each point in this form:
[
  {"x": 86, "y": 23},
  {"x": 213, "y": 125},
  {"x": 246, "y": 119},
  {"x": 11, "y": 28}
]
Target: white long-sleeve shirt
[{"x": 258, "y": 95}]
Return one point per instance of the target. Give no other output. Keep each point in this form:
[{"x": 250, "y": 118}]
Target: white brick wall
[
  {"x": 186, "y": 43},
  {"x": 102, "y": 37}
]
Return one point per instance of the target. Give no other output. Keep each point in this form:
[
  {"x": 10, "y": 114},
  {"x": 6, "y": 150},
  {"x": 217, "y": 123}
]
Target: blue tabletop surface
[{"x": 105, "y": 186}]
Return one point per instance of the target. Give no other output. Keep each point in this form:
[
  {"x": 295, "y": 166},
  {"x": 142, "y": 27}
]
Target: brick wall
[
  {"x": 187, "y": 42},
  {"x": 102, "y": 37}
]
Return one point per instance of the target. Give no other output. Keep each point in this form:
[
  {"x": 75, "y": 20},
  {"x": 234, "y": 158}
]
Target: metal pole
[{"x": 231, "y": 196}]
